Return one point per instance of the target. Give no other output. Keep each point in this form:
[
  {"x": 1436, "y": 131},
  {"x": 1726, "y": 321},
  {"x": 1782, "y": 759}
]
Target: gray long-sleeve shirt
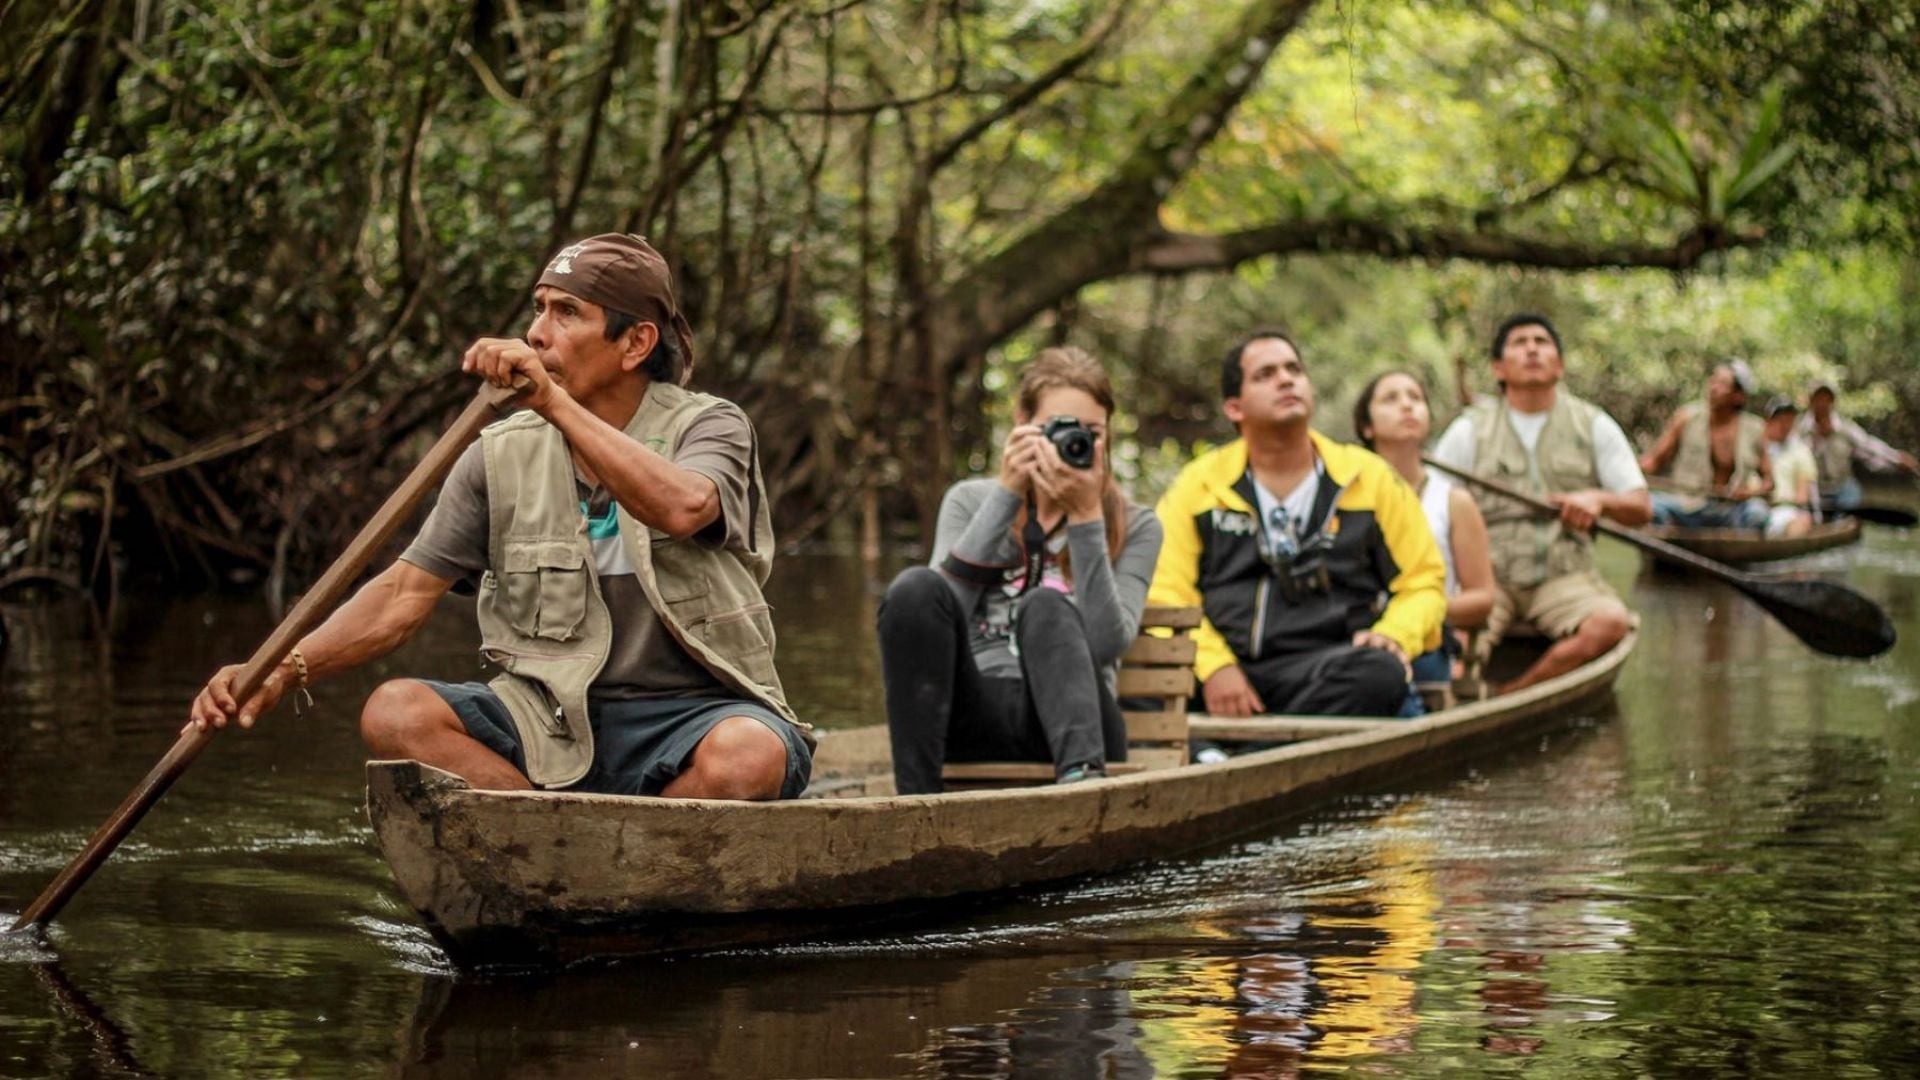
[{"x": 976, "y": 526}]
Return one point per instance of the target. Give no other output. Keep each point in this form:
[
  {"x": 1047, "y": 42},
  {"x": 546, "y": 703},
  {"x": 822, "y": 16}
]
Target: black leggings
[{"x": 940, "y": 708}]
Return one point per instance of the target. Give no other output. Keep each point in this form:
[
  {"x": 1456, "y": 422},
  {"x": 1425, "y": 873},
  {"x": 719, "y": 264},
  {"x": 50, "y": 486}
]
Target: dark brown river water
[{"x": 1715, "y": 873}]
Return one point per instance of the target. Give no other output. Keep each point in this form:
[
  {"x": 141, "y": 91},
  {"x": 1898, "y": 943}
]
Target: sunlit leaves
[{"x": 1705, "y": 168}]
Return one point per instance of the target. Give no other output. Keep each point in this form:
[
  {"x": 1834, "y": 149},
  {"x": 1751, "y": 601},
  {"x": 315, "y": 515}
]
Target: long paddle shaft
[
  {"x": 307, "y": 614},
  {"x": 1828, "y": 617}
]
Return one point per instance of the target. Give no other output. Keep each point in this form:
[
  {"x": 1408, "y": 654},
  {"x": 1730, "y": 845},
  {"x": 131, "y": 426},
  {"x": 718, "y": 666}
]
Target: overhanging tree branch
[
  {"x": 1094, "y": 238},
  {"x": 1178, "y": 253},
  {"x": 1028, "y": 93}
]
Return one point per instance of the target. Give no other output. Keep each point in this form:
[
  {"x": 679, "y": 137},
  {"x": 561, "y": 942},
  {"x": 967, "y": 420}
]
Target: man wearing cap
[
  {"x": 1539, "y": 437},
  {"x": 1718, "y": 453},
  {"x": 617, "y": 533},
  {"x": 1837, "y": 443},
  {"x": 1796, "y": 479}
]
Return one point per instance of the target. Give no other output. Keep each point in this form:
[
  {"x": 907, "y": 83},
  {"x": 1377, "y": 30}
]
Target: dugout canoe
[
  {"x": 552, "y": 878},
  {"x": 1742, "y": 546}
]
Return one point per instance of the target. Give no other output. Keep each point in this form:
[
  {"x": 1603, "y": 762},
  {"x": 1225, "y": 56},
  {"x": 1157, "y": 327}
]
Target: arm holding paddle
[
  {"x": 1660, "y": 456},
  {"x": 305, "y": 615},
  {"x": 1762, "y": 486},
  {"x": 680, "y": 502},
  {"x": 1876, "y": 453},
  {"x": 379, "y": 618},
  {"x": 1622, "y": 494},
  {"x": 1827, "y": 616},
  {"x": 1583, "y": 510}
]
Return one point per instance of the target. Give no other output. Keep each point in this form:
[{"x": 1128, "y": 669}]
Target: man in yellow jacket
[{"x": 1312, "y": 560}]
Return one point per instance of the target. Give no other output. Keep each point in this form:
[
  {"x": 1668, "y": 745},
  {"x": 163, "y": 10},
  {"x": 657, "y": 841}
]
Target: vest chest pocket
[
  {"x": 1570, "y": 467},
  {"x": 545, "y": 583},
  {"x": 743, "y": 636},
  {"x": 679, "y": 572}
]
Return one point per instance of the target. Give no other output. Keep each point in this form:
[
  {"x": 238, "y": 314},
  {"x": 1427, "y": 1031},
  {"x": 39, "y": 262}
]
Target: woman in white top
[{"x": 1390, "y": 417}]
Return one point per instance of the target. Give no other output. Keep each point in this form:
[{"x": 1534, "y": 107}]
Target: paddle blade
[
  {"x": 1829, "y": 617},
  {"x": 1886, "y": 515}
]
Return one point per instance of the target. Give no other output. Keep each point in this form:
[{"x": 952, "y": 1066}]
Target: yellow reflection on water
[{"x": 1336, "y": 984}]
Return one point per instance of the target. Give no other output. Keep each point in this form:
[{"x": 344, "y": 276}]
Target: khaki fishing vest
[
  {"x": 1693, "y": 462},
  {"x": 1832, "y": 456},
  {"x": 1527, "y": 547},
  {"x": 542, "y": 617}
]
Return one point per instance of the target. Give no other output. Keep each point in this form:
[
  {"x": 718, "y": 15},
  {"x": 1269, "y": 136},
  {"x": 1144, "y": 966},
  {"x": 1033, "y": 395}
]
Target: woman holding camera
[
  {"x": 1006, "y": 646},
  {"x": 1391, "y": 418}
]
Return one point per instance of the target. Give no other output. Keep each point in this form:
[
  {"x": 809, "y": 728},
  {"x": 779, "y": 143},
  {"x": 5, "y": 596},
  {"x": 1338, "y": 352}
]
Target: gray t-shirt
[
  {"x": 645, "y": 661},
  {"x": 976, "y": 525}
]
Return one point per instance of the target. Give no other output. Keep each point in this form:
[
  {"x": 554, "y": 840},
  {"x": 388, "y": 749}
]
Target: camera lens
[
  {"x": 1077, "y": 448},
  {"x": 1072, "y": 439}
]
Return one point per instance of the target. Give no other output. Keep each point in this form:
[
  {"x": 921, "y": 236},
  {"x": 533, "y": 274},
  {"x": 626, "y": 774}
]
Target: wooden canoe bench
[{"x": 1155, "y": 681}]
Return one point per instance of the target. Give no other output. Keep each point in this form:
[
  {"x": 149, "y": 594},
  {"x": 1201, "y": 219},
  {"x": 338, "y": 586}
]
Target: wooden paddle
[
  {"x": 1883, "y": 515},
  {"x": 307, "y": 614},
  {"x": 1830, "y": 618},
  {"x": 1872, "y": 515}
]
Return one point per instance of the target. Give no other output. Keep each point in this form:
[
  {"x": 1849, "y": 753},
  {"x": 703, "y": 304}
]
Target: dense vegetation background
[{"x": 242, "y": 242}]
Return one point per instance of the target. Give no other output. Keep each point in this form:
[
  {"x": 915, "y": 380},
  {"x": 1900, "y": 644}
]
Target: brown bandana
[{"x": 624, "y": 273}]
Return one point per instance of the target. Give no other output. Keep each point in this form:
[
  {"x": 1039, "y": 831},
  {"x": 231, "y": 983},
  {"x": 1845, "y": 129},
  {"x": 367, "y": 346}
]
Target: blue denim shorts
[
  {"x": 639, "y": 744},
  {"x": 1428, "y": 667}
]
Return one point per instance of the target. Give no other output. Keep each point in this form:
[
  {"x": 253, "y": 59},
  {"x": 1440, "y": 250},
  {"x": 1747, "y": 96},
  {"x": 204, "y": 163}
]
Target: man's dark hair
[
  {"x": 1230, "y": 373},
  {"x": 663, "y": 363},
  {"x": 1515, "y": 322}
]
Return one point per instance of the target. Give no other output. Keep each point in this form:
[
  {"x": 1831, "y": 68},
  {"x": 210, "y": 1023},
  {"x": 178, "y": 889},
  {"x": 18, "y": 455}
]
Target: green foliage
[
  {"x": 1709, "y": 179},
  {"x": 241, "y": 245}
]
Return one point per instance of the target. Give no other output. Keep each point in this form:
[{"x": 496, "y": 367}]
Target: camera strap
[
  {"x": 1304, "y": 530},
  {"x": 1033, "y": 557},
  {"x": 1033, "y": 541},
  {"x": 1323, "y": 500}
]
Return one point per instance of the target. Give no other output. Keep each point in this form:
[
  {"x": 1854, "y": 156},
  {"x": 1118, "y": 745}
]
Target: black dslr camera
[
  {"x": 1303, "y": 576},
  {"x": 1074, "y": 439}
]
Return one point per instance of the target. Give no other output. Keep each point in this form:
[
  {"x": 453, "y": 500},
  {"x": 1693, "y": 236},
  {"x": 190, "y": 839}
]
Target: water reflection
[
  {"x": 108, "y": 1052},
  {"x": 1046, "y": 1014},
  {"x": 1718, "y": 879}
]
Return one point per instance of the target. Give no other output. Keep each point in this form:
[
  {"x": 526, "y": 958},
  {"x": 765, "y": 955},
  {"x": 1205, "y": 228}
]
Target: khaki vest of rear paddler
[
  {"x": 1833, "y": 457},
  {"x": 1693, "y": 462},
  {"x": 1528, "y": 547},
  {"x": 542, "y": 617}
]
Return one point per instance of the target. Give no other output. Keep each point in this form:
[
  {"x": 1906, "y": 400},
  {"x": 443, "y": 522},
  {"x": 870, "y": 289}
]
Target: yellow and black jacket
[{"x": 1384, "y": 566}]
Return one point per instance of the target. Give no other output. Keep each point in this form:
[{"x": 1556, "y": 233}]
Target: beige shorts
[{"x": 1554, "y": 608}]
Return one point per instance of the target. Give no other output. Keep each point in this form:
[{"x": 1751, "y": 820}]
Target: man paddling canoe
[
  {"x": 617, "y": 532},
  {"x": 1546, "y": 441},
  {"x": 1837, "y": 443},
  {"x": 1717, "y": 452}
]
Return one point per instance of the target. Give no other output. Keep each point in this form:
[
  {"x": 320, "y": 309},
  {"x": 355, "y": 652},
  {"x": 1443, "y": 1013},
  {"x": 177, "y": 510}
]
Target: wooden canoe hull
[
  {"x": 543, "y": 878},
  {"x": 1749, "y": 546}
]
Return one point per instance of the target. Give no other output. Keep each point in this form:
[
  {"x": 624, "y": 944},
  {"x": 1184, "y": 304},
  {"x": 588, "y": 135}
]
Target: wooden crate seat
[{"x": 1155, "y": 681}]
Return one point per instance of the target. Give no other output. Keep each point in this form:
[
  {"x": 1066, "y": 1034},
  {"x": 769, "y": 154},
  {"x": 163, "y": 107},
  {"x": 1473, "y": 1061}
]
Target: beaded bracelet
[{"x": 302, "y": 698}]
